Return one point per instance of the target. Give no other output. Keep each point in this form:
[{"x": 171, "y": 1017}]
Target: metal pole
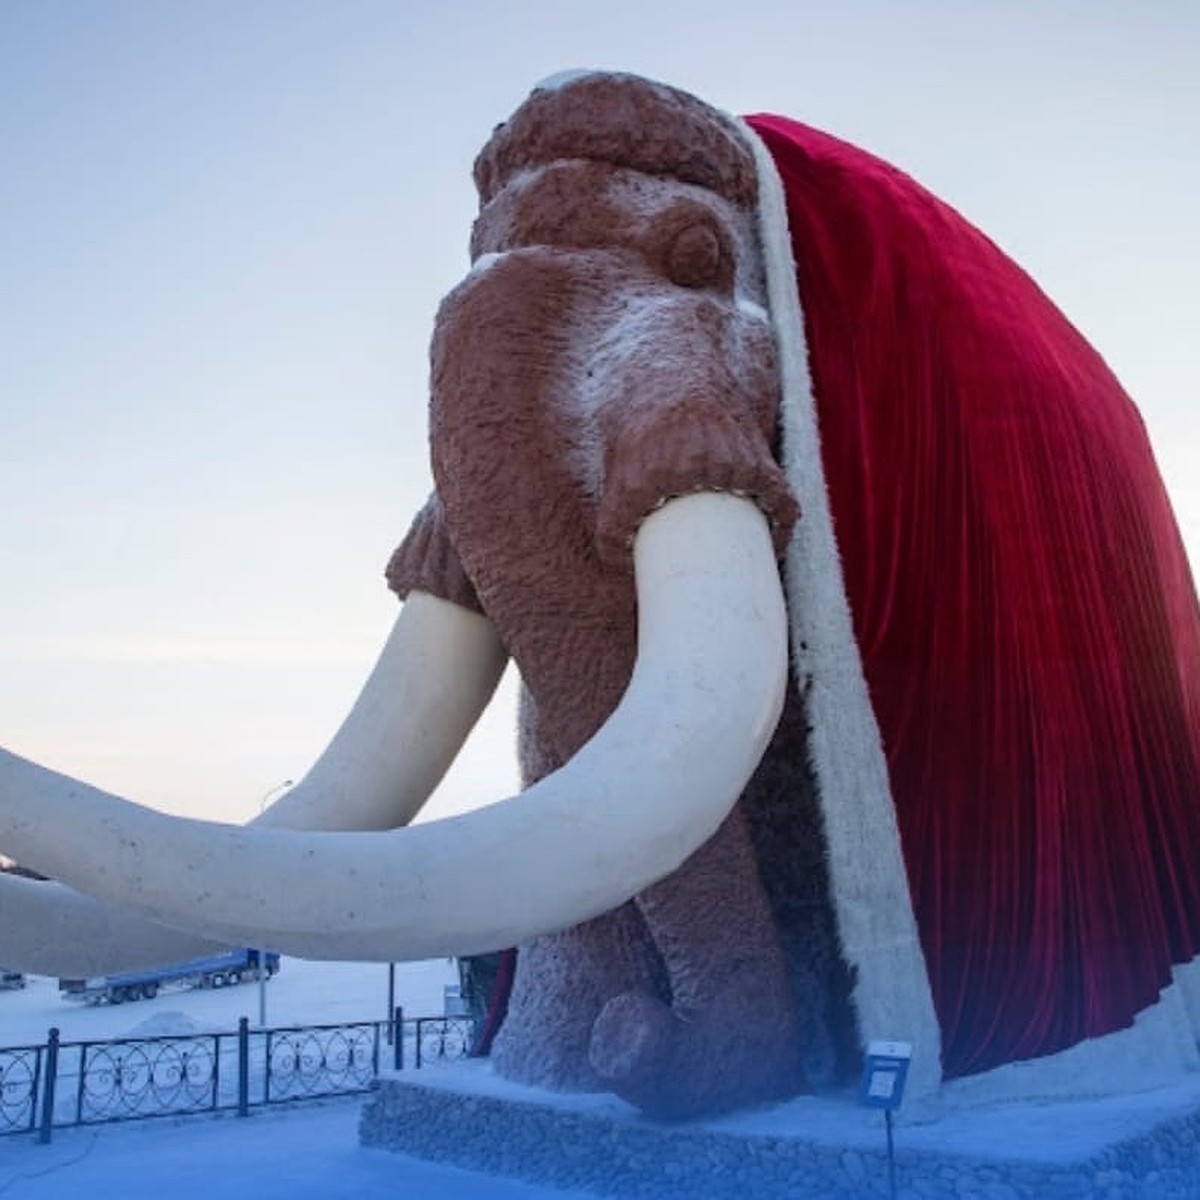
[
  {"x": 262, "y": 989},
  {"x": 243, "y": 1109},
  {"x": 391, "y": 1008},
  {"x": 262, "y": 953},
  {"x": 51, "y": 1079},
  {"x": 891, "y": 1148}
]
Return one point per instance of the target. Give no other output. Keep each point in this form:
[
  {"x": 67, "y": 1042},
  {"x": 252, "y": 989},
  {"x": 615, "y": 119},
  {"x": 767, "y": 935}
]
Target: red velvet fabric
[
  {"x": 1024, "y": 608},
  {"x": 497, "y": 1004}
]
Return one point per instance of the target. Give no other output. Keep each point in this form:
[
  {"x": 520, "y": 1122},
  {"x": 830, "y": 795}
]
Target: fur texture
[
  {"x": 608, "y": 352},
  {"x": 631, "y": 330}
]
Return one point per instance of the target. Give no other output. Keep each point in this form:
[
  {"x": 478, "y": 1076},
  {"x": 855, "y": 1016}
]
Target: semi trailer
[{"x": 212, "y": 971}]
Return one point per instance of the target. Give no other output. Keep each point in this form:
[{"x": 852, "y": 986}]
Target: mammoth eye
[{"x": 693, "y": 259}]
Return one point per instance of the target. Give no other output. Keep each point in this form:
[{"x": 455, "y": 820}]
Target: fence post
[
  {"x": 398, "y": 1038},
  {"x": 243, "y": 1066},
  {"x": 48, "y": 1089},
  {"x": 81, "y": 1088},
  {"x": 391, "y": 1007}
]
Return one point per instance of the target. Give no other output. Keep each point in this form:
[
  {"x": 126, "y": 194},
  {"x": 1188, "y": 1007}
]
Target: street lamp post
[{"x": 262, "y": 950}]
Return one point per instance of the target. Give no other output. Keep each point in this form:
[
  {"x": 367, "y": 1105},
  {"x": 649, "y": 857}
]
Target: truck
[
  {"x": 211, "y": 971},
  {"x": 10, "y": 981}
]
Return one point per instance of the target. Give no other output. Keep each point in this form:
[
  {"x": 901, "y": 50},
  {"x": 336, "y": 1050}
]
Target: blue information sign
[{"x": 884, "y": 1072}]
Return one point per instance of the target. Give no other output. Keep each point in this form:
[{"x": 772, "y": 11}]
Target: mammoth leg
[
  {"x": 563, "y": 980},
  {"x": 730, "y": 1034}
]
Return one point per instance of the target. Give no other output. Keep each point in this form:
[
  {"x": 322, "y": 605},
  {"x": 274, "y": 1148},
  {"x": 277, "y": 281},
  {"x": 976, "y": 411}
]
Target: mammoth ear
[{"x": 650, "y": 787}]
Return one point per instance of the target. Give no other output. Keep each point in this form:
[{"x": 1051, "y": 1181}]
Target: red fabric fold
[{"x": 1023, "y": 605}]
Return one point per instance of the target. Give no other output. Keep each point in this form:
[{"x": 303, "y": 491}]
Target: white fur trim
[{"x": 874, "y": 910}]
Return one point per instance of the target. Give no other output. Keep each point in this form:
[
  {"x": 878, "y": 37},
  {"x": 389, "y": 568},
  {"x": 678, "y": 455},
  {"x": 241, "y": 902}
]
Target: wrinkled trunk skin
[{"x": 607, "y": 351}]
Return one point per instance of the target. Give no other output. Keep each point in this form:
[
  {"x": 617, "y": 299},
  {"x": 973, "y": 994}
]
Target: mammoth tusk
[
  {"x": 648, "y": 789},
  {"x": 48, "y": 929},
  {"x": 435, "y": 674}
]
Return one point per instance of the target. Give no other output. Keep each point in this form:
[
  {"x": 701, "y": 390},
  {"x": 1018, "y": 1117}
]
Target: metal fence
[{"x": 59, "y": 1084}]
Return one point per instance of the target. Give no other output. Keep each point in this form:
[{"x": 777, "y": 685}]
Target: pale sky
[{"x": 224, "y": 230}]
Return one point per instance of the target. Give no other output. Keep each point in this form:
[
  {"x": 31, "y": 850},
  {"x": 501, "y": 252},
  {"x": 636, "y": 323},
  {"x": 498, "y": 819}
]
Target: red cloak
[{"x": 1023, "y": 608}]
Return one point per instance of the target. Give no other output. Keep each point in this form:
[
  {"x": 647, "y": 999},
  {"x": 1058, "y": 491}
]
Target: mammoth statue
[{"x": 860, "y": 656}]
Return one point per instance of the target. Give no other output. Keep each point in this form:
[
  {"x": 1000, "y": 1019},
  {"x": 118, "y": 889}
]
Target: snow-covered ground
[
  {"x": 298, "y": 1153},
  {"x": 303, "y": 993},
  {"x": 311, "y": 1151},
  {"x": 305, "y": 1153}
]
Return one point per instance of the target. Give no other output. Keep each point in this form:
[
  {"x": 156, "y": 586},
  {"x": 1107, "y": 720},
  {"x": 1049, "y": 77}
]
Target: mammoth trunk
[{"x": 738, "y": 948}]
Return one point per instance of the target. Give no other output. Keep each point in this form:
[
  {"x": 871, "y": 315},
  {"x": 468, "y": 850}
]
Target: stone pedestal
[{"x": 1145, "y": 1147}]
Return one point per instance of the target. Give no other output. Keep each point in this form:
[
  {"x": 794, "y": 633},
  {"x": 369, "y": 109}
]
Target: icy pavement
[{"x": 309, "y": 1153}]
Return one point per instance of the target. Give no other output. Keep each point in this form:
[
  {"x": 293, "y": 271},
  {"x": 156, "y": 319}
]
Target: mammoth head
[{"x": 615, "y": 272}]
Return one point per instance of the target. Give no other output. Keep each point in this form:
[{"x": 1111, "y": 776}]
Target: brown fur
[
  {"x": 598, "y": 365},
  {"x": 627, "y": 122}
]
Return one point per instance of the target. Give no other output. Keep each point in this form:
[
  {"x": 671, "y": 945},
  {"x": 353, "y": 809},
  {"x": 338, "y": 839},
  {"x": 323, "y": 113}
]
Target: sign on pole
[{"x": 884, "y": 1073}]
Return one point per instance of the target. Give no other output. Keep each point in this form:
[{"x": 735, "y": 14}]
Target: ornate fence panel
[
  {"x": 442, "y": 1039},
  {"x": 145, "y": 1077},
  {"x": 85, "y": 1083},
  {"x": 20, "y": 1076},
  {"x": 320, "y": 1060}
]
